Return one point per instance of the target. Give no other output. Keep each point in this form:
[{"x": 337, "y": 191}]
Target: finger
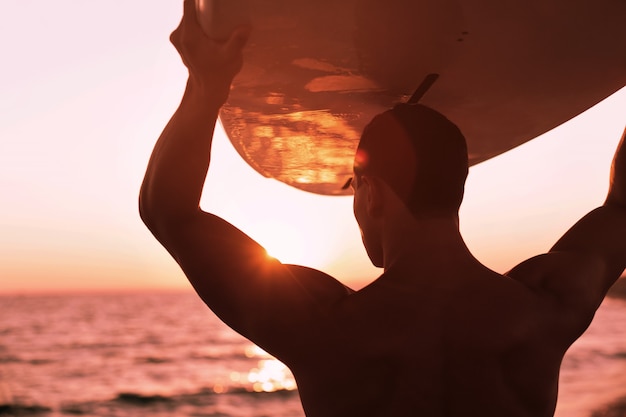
[
  {"x": 189, "y": 10},
  {"x": 176, "y": 34},
  {"x": 190, "y": 19}
]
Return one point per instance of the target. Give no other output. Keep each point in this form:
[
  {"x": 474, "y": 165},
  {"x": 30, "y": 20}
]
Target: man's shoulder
[
  {"x": 564, "y": 282},
  {"x": 547, "y": 297},
  {"x": 565, "y": 275}
]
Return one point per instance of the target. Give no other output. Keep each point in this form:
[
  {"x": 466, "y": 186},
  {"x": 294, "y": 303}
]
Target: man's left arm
[{"x": 599, "y": 238}]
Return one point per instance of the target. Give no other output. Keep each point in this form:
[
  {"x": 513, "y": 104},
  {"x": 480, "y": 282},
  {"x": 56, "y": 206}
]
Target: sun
[
  {"x": 296, "y": 237},
  {"x": 283, "y": 241}
]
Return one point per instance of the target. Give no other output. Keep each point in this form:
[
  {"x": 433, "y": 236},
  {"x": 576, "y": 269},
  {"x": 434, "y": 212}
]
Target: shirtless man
[{"x": 438, "y": 334}]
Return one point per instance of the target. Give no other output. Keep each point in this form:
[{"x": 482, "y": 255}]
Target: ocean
[{"x": 166, "y": 354}]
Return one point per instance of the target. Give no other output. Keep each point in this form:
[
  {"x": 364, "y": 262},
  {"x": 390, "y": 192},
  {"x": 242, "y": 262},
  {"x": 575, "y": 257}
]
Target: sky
[{"x": 87, "y": 87}]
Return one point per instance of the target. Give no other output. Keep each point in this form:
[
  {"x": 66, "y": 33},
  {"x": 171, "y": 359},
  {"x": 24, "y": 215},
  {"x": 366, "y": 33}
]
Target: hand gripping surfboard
[{"x": 317, "y": 71}]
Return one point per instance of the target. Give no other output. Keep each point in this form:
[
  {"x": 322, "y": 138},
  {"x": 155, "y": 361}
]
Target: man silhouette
[{"x": 438, "y": 333}]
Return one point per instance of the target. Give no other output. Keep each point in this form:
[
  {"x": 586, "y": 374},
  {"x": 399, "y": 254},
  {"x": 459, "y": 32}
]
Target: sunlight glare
[
  {"x": 281, "y": 242},
  {"x": 271, "y": 375}
]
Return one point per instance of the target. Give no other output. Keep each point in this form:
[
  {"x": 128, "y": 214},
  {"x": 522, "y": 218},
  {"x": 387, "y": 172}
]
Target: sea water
[{"x": 164, "y": 354}]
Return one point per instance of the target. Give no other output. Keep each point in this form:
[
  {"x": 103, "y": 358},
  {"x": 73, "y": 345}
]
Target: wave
[
  {"x": 140, "y": 399},
  {"x": 615, "y": 409},
  {"x": 10, "y": 359},
  {"x": 218, "y": 356},
  {"x": 620, "y": 355},
  {"x": 206, "y": 402},
  {"x": 10, "y": 410},
  {"x": 221, "y": 357},
  {"x": 130, "y": 403},
  {"x": 153, "y": 360},
  {"x": 618, "y": 290},
  {"x": 34, "y": 362},
  {"x": 147, "y": 399}
]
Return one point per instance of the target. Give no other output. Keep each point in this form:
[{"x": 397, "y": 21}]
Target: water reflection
[{"x": 269, "y": 375}]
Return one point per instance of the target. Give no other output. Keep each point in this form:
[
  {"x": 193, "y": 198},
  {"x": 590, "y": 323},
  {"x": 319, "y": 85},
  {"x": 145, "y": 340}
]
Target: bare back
[{"x": 469, "y": 340}]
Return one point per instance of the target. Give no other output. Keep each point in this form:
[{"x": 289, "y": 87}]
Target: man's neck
[{"x": 424, "y": 241}]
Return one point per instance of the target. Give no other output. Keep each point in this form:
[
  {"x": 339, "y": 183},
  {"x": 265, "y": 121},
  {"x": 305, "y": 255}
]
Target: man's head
[{"x": 420, "y": 155}]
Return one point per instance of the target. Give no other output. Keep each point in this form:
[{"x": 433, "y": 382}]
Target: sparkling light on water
[
  {"x": 270, "y": 375},
  {"x": 167, "y": 354}
]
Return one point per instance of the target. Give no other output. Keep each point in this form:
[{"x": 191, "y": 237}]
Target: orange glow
[
  {"x": 278, "y": 143},
  {"x": 293, "y": 226},
  {"x": 76, "y": 138},
  {"x": 283, "y": 242},
  {"x": 361, "y": 159}
]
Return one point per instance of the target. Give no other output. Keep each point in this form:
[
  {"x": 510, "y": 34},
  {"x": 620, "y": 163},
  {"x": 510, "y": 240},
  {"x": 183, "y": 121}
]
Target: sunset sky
[{"x": 85, "y": 90}]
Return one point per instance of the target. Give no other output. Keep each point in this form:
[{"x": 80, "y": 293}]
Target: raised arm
[
  {"x": 601, "y": 234},
  {"x": 584, "y": 263},
  {"x": 253, "y": 293},
  {"x": 175, "y": 176}
]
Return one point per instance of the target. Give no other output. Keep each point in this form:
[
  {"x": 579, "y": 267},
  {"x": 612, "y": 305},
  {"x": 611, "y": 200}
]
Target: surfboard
[{"x": 317, "y": 71}]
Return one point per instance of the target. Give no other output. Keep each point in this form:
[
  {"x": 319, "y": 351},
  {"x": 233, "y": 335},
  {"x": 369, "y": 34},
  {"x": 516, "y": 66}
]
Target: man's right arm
[{"x": 266, "y": 301}]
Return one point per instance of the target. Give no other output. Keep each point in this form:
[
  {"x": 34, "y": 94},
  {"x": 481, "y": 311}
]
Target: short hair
[{"x": 419, "y": 154}]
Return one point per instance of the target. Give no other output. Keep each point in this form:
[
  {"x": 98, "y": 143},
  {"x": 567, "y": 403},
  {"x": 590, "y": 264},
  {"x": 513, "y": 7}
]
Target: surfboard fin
[{"x": 428, "y": 82}]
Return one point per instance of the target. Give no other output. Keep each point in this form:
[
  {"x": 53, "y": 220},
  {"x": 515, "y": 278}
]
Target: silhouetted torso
[{"x": 462, "y": 341}]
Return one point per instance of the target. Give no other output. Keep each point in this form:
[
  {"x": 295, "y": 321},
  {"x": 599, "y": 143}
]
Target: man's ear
[{"x": 374, "y": 196}]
